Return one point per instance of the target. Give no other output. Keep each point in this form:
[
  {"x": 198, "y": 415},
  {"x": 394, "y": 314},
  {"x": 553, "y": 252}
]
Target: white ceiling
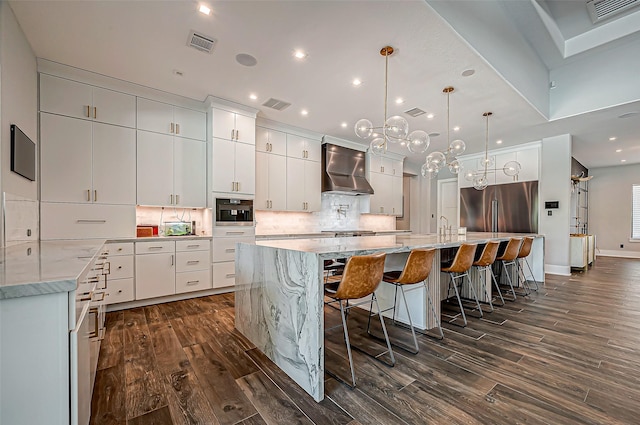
[{"x": 145, "y": 41}]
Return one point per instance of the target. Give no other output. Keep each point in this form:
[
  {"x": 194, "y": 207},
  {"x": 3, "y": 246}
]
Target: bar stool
[
  {"x": 362, "y": 275},
  {"x": 508, "y": 258},
  {"x": 525, "y": 250},
  {"x": 458, "y": 270},
  {"x": 484, "y": 263},
  {"x": 416, "y": 271}
]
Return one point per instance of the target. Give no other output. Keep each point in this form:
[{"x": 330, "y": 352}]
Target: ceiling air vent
[
  {"x": 276, "y": 104},
  {"x": 604, "y": 9},
  {"x": 204, "y": 43},
  {"x": 415, "y": 112}
]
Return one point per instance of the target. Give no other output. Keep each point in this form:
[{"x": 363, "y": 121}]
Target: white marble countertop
[
  {"x": 345, "y": 247},
  {"x": 37, "y": 268},
  {"x": 327, "y": 234}
]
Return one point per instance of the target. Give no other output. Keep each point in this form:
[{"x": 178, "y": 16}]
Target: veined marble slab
[{"x": 37, "y": 268}]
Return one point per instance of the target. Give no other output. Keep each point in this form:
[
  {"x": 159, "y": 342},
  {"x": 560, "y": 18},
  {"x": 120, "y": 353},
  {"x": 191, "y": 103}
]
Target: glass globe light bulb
[
  {"x": 396, "y": 129},
  {"x": 511, "y": 168},
  {"x": 437, "y": 158},
  {"x": 378, "y": 146},
  {"x": 468, "y": 175},
  {"x": 419, "y": 141},
  {"x": 429, "y": 170},
  {"x": 363, "y": 128},
  {"x": 480, "y": 182},
  {"x": 457, "y": 147},
  {"x": 455, "y": 166},
  {"x": 490, "y": 161}
]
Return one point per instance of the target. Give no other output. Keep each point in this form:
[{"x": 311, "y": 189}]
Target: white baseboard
[
  {"x": 169, "y": 298},
  {"x": 559, "y": 270},
  {"x": 616, "y": 253}
]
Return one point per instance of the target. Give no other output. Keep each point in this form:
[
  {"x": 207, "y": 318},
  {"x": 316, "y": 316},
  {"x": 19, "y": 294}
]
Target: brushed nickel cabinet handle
[
  {"x": 88, "y": 109},
  {"x": 90, "y": 221},
  {"x": 232, "y": 133},
  {"x": 235, "y": 233},
  {"x": 270, "y": 204},
  {"x": 237, "y": 134},
  {"x": 193, "y": 246},
  {"x": 95, "y": 195},
  {"x": 94, "y": 332},
  {"x": 171, "y": 199},
  {"x": 95, "y": 112},
  {"x": 172, "y": 260},
  {"x": 238, "y": 183},
  {"x": 88, "y": 195},
  {"x": 177, "y": 128},
  {"x": 154, "y": 247},
  {"x": 171, "y": 130},
  {"x": 193, "y": 262},
  {"x": 193, "y": 282},
  {"x": 230, "y": 275},
  {"x": 230, "y": 250},
  {"x": 177, "y": 199}
]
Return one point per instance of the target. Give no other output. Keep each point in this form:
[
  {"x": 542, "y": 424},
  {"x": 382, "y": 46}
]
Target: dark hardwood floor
[{"x": 568, "y": 354}]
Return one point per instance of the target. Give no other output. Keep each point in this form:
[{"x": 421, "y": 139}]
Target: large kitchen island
[{"x": 279, "y": 292}]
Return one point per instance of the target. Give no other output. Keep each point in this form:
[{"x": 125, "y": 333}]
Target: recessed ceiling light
[
  {"x": 618, "y": 150},
  {"x": 468, "y": 72},
  {"x": 623, "y": 160},
  {"x": 304, "y": 112},
  {"x": 430, "y": 116},
  {"x": 611, "y": 139},
  {"x": 343, "y": 125},
  {"x": 399, "y": 100},
  {"x": 204, "y": 10},
  {"x": 299, "y": 54},
  {"x": 253, "y": 96},
  {"x": 356, "y": 82},
  {"x": 498, "y": 142},
  {"x": 456, "y": 128}
]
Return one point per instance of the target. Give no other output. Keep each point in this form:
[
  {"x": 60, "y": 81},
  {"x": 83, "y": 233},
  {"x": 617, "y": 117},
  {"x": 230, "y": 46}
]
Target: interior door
[{"x": 448, "y": 202}]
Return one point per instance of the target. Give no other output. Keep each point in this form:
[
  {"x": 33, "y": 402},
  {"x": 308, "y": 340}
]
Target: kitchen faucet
[{"x": 444, "y": 226}]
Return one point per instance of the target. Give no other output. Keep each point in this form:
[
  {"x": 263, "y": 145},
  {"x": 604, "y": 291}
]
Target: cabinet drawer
[
  {"x": 234, "y": 231},
  {"x": 193, "y": 245},
  {"x": 120, "y": 267},
  {"x": 118, "y": 248},
  {"x": 224, "y": 249},
  {"x": 224, "y": 274},
  {"x": 187, "y": 261},
  {"x": 86, "y": 221},
  {"x": 119, "y": 291},
  {"x": 155, "y": 247},
  {"x": 193, "y": 281}
]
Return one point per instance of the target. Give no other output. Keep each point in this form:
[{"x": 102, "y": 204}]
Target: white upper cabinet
[
  {"x": 233, "y": 168},
  {"x": 528, "y": 157},
  {"x": 171, "y": 170},
  {"x": 233, "y": 126},
  {"x": 300, "y": 147},
  {"x": 529, "y": 160},
  {"x": 86, "y": 162},
  {"x": 271, "y": 181},
  {"x": 385, "y": 176},
  {"x": 271, "y": 141},
  {"x": 164, "y": 118},
  {"x": 79, "y": 100},
  {"x": 385, "y": 165},
  {"x": 303, "y": 185}
]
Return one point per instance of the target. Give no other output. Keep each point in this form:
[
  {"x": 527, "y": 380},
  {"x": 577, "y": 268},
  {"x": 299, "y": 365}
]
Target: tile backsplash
[
  {"x": 338, "y": 212},
  {"x": 21, "y": 219}
]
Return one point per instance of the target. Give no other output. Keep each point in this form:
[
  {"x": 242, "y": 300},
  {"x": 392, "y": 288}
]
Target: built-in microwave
[{"x": 234, "y": 212}]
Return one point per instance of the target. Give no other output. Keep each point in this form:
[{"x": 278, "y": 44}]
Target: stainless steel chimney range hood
[{"x": 344, "y": 171}]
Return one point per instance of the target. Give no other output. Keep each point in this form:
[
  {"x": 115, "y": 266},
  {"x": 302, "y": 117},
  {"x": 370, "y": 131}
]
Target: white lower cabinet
[
  {"x": 171, "y": 267},
  {"x": 155, "y": 269},
  {"x": 225, "y": 240},
  {"x": 118, "y": 285}
]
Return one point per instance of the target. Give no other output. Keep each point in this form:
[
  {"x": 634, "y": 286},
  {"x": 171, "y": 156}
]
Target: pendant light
[{"x": 394, "y": 129}]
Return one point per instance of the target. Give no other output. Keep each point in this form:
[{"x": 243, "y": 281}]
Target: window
[{"x": 635, "y": 212}]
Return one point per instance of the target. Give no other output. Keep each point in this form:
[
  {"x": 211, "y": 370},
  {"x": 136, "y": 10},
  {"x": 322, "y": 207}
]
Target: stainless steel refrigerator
[{"x": 511, "y": 207}]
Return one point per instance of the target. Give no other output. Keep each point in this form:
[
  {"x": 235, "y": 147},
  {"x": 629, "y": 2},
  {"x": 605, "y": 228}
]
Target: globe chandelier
[
  {"x": 437, "y": 160},
  {"x": 395, "y": 129},
  {"x": 486, "y": 164}
]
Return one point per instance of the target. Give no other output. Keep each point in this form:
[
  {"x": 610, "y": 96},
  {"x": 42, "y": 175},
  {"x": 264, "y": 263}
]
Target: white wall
[
  {"x": 555, "y": 185},
  {"x": 18, "y": 99},
  {"x": 610, "y": 209}
]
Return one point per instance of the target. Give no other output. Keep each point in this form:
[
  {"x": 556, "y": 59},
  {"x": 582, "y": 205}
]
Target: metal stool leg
[
  {"x": 346, "y": 338},
  {"x": 525, "y": 284},
  {"x": 413, "y": 332},
  {"x": 532, "y": 275},
  {"x": 473, "y": 291},
  {"x": 504, "y": 268},
  {"x": 384, "y": 330},
  {"x": 433, "y": 310},
  {"x": 483, "y": 272},
  {"x": 495, "y": 282},
  {"x": 455, "y": 288}
]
